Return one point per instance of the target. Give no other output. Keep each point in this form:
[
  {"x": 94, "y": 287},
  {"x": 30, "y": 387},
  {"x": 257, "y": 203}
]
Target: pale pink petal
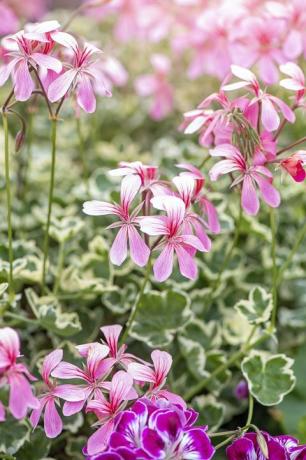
[
  {"x": 187, "y": 265},
  {"x": 195, "y": 124},
  {"x": 162, "y": 364},
  {"x": 226, "y": 150},
  {"x": 249, "y": 199},
  {"x": 294, "y": 71},
  {"x": 71, "y": 408},
  {"x": 172, "y": 397},
  {"x": 284, "y": 108},
  {"x": 23, "y": 83},
  {"x": 269, "y": 194},
  {"x": 53, "y": 424},
  {"x": 99, "y": 208},
  {"x": 243, "y": 73},
  {"x": 98, "y": 441},
  {"x": 234, "y": 86},
  {"x": 69, "y": 393},
  {"x": 186, "y": 186},
  {"x": 141, "y": 372},
  {"x": 96, "y": 353},
  {"x": 122, "y": 382},
  {"x": 21, "y": 397},
  {"x": 174, "y": 207},
  {"x": 2, "y": 412},
  {"x": 36, "y": 413},
  {"x": 196, "y": 241},
  {"x": 6, "y": 69},
  {"x": 293, "y": 46},
  {"x": 59, "y": 87},
  {"x": 212, "y": 215},
  {"x": 130, "y": 186},
  {"x": 269, "y": 115},
  {"x": 140, "y": 252},
  {"x": 223, "y": 167},
  {"x": 65, "y": 39},
  {"x": 146, "y": 85},
  {"x": 163, "y": 265},
  {"x": 50, "y": 363},
  {"x": 9, "y": 340},
  {"x": 85, "y": 94},
  {"x": 268, "y": 71},
  {"x": 291, "y": 84},
  {"x": 47, "y": 62},
  {"x": 118, "y": 251},
  {"x": 67, "y": 371},
  {"x": 154, "y": 226}
]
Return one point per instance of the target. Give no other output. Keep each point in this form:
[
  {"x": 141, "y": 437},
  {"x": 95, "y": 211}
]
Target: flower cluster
[
  {"x": 244, "y": 132},
  {"x": 152, "y": 430},
  {"x": 262, "y": 445},
  {"x": 181, "y": 230},
  {"x": 44, "y": 58}
]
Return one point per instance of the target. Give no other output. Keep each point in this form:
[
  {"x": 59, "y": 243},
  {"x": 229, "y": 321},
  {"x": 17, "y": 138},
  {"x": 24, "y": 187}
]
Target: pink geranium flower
[
  {"x": 174, "y": 241},
  {"x": 248, "y": 175},
  {"x": 25, "y": 54},
  {"x": 52, "y": 421},
  {"x": 93, "y": 374},
  {"x": 295, "y": 165},
  {"x": 16, "y": 375},
  {"x": 270, "y": 104},
  {"x": 81, "y": 77},
  {"x": 147, "y": 174},
  {"x": 119, "y": 355},
  {"x": 127, "y": 224},
  {"x": 157, "y": 85},
  {"x": 156, "y": 376},
  {"x": 120, "y": 391},
  {"x": 296, "y": 82}
]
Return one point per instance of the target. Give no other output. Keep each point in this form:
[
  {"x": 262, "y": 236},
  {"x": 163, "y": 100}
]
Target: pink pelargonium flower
[
  {"x": 16, "y": 375},
  {"x": 93, "y": 374},
  {"x": 147, "y": 175},
  {"x": 174, "y": 241},
  {"x": 295, "y": 165},
  {"x": 156, "y": 376},
  {"x": 120, "y": 391},
  {"x": 296, "y": 82},
  {"x": 249, "y": 176},
  {"x": 157, "y": 85},
  {"x": 25, "y": 54},
  {"x": 53, "y": 424},
  {"x": 119, "y": 355},
  {"x": 270, "y": 105},
  {"x": 81, "y": 77},
  {"x": 127, "y": 224}
]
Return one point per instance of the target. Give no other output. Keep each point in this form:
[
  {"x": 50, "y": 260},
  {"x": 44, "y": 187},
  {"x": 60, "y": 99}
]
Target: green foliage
[{"x": 258, "y": 308}]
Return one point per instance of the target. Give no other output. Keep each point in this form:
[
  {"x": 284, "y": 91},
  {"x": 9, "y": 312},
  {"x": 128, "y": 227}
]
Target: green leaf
[
  {"x": 119, "y": 301},
  {"x": 66, "y": 228},
  {"x": 13, "y": 435},
  {"x": 36, "y": 448},
  {"x": 211, "y": 412},
  {"x": 194, "y": 355},
  {"x": 207, "y": 334},
  {"x": 160, "y": 316},
  {"x": 3, "y": 288},
  {"x": 50, "y": 315},
  {"x": 258, "y": 308},
  {"x": 269, "y": 378}
]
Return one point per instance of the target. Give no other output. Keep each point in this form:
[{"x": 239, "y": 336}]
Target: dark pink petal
[
  {"x": 50, "y": 363},
  {"x": 153, "y": 444},
  {"x": 47, "y": 62},
  {"x": 140, "y": 252},
  {"x": 187, "y": 265},
  {"x": 60, "y": 87},
  {"x": 85, "y": 94},
  {"x": 36, "y": 413},
  {"x": 242, "y": 448},
  {"x": 168, "y": 425},
  {"x": 21, "y": 397},
  {"x": 269, "y": 194},
  {"x": 163, "y": 265},
  {"x": 249, "y": 199},
  {"x": 52, "y": 421},
  {"x": 196, "y": 444},
  {"x": 23, "y": 83},
  {"x": 118, "y": 251}
]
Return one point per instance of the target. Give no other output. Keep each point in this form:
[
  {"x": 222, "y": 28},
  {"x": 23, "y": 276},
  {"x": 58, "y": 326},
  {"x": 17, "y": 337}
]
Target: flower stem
[
  {"x": 226, "y": 441},
  {"x": 50, "y": 201},
  {"x": 274, "y": 268},
  {"x": 137, "y": 303},
  {"x": 82, "y": 153},
  {"x": 9, "y": 206},
  {"x": 251, "y": 410},
  {"x": 60, "y": 265},
  {"x": 290, "y": 146}
]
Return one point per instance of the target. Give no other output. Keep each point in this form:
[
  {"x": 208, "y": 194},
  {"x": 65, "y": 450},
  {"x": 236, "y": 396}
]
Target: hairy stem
[
  {"x": 50, "y": 201},
  {"x": 274, "y": 268},
  {"x": 82, "y": 152},
  {"x": 250, "y": 411},
  {"x": 290, "y": 146}
]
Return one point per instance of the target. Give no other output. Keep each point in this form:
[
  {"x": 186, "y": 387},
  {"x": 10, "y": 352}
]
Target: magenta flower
[
  {"x": 120, "y": 391},
  {"x": 295, "y": 165},
  {"x": 157, "y": 86},
  {"x": 81, "y": 77},
  {"x": 127, "y": 224},
  {"x": 53, "y": 424},
  {"x": 248, "y": 176},
  {"x": 156, "y": 376},
  {"x": 270, "y": 104},
  {"x": 16, "y": 375},
  {"x": 25, "y": 54},
  {"x": 174, "y": 241},
  {"x": 93, "y": 374}
]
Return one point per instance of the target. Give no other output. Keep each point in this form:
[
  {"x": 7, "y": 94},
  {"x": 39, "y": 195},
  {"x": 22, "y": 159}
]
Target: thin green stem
[
  {"x": 226, "y": 441},
  {"x": 251, "y": 410},
  {"x": 9, "y": 206},
  {"x": 60, "y": 266},
  {"x": 199, "y": 387},
  {"x": 20, "y": 318},
  {"x": 274, "y": 268},
  {"x": 284, "y": 149},
  {"x": 82, "y": 152},
  {"x": 222, "y": 433},
  {"x": 50, "y": 201},
  {"x": 298, "y": 241},
  {"x": 137, "y": 303}
]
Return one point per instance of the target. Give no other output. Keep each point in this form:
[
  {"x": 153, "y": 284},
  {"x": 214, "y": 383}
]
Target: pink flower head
[
  {"x": 296, "y": 82},
  {"x": 120, "y": 391},
  {"x": 119, "y": 355},
  {"x": 147, "y": 174},
  {"x": 81, "y": 77},
  {"x": 174, "y": 241},
  {"x": 128, "y": 222},
  {"x": 52, "y": 421},
  {"x": 156, "y": 376},
  {"x": 25, "y": 54},
  {"x": 16, "y": 375},
  {"x": 157, "y": 85},
  {"x": 93, "y": 374},
  {"x": 248, "y": 175},
  {"x": 295, "y": 165},
  {"x": 112, "y": 73}
]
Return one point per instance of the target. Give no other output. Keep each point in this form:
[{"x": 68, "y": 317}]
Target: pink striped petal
[
  {"x": 23, "y": 83},
  {"x": 153, "y": 226},
  {"x": 60, "y": 87},
  {"x": 98, "y": 441},
  {"x": 99, "y": 208},
  {"x": 53, "y": 424},
  {"x": 269, "y": 115},
  {"x": 50, "y": 363},
  {"x": 187, "y": 265},
  {"x": 122, "y": 383},
  {"x": 249, "y": 199},
  {"x": 269, "y": 193},
  {"x": 130, "y": 186},
  {"x": 141, "y": 372},
  {"x": 118, "y": 251},
  {"x": 162, "y": 364},
  {"x": 223, "y": 167},
  {"x": 163, "y": 265},
  {"x": 67, "y": 371},
  {"x": 140, "y": 252},
  {"x": 69, "y": 393},
  {"x": 47, "y": 62},
  {"x": 71, "y": 408},
  {"x": 85, "y": 94}
]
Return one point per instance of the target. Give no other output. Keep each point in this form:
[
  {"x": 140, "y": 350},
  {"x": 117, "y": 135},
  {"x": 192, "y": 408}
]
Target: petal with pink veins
[
  {"x": 50, "y": 363},
  {"x": 60, "y": 87},
  {"x": 140, "y": 252},
  {"x": 21, "y": 397},
  {"x": 69, "y": 392},
  {"x": 23, "y": 83},
  {"x": 118, "y": 251},
  {"x": 249, "y": 198},
  {"x": 269, "y": 116},
  {"x": 53, "y": 424},
  {"x": 163, "y": 265},
  {"x": 85, "y": 94},
  {"x": 154, "y": 226},
  {"x": 47, "y": 62},
  {"x": 187, "y": 265},
  {"x": 99, "y": 208},
  {"x": 269, "y": 193}
]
